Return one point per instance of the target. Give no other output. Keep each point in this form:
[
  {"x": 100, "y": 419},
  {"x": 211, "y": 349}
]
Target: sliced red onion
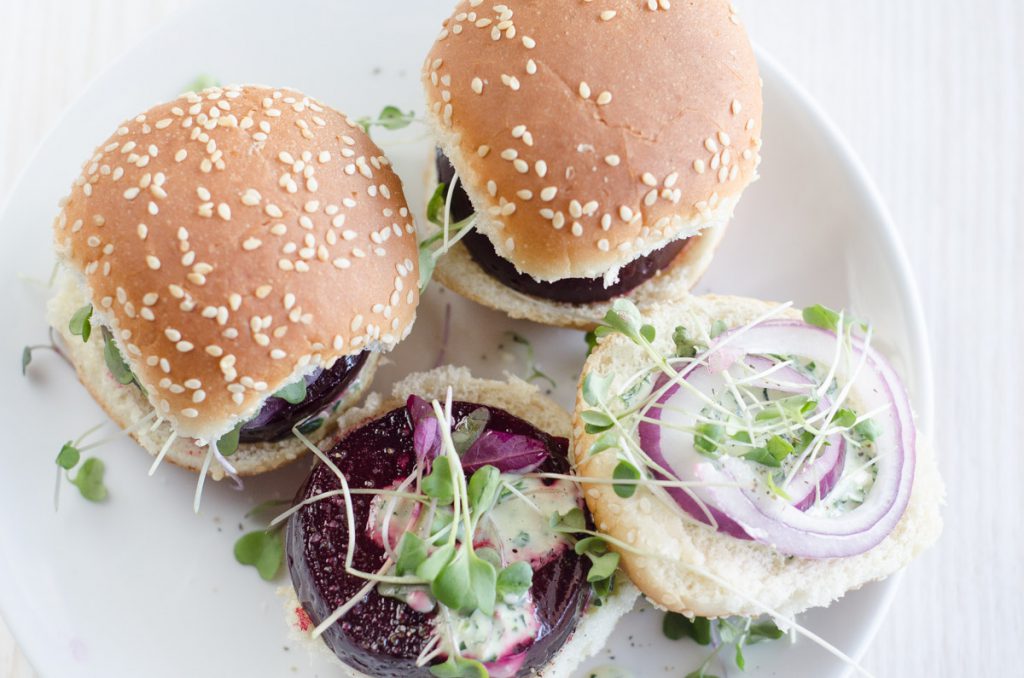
[
  {"x": 508, "y": 452},
  {"x": 750, "y": 510}
]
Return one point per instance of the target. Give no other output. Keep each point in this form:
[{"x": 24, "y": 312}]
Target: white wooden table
[{"x": 931, "y": 94}]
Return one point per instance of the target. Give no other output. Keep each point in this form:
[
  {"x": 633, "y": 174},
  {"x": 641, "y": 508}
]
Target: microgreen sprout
[
  {"x": 439, "y": 213},
  {"x": 294, "y": 393},
  {"x": 80, "y": 325},
  {"x": 390, "y": 118},
  {"x": 27, "y": 351},
  {"x": 89, "y": 476},
  {"x": 202, "y": 81},
  {"x": 533, "y": 372},
  {"x": 735, "y": 632}
]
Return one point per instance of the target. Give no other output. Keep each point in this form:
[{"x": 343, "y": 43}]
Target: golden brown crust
[
  {"x": 235, "y": 239},
  {"x": 589, "y": 139}
]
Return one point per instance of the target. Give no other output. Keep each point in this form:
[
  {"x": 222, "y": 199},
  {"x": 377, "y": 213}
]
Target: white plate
[{"x": 140, "y": 585}]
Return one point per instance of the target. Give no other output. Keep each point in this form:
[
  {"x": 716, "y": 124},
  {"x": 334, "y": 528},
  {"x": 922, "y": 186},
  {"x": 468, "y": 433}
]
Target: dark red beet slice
[
  {"x": 570, "y": 290},
  {"x": 276, "y": 419},
  {"x": 382, "y": 636}
]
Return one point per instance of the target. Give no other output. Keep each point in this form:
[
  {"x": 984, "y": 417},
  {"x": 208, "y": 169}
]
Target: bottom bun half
[
  {"x": 523, "y": 400},
  {"x": 126, "y": 405}
]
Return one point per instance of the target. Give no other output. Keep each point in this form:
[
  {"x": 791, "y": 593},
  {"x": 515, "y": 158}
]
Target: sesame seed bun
[
  {"x": 523, "y": 400},
  {"x": 457, "y": 271},
  {"x": 787, "y": 584},
  {"x": 235, "y": 240},
  {"x": 590, "y": 137}
]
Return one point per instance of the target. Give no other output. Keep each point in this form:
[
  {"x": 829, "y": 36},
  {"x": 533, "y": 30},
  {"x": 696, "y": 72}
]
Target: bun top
[
  {"x": 593, "y": 134},
  {"x": 235, "y": 239}
]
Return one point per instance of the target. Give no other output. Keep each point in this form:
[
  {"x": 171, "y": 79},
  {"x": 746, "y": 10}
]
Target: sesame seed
[
  {"x": 531, "y": 66},
  {"x": 736, "y": 107},
  {"x": 584, "y": 90},
  {"x": 608, "y": 15},
  {"x": 577, "y": 229},
  {"x": 541, "y": 168},
  {"x": 649, "y": 179},
  {"x": 548, "y": 193},
  {"x": 341, "y": 263},
  {"x": 612, "y": 160},
  {"x": 724, "y": 138},
  {"x": 224, "y": 212},
  {"x": 604, "y": 98},
  {"x": 251, "y": 197},
  {"x": 625, "y": 213},
  {"x": 711, "y": 145},
  {"x": 521, "y": 166},
  {"x": 483, "y": 150},
  {"x": 180, "y": 155},
  {"x": 651, "y": 197},
  {"x": 478, "y": 85},
  {"x": 528, "y": 42},
  {"x": 603, "y": 245},
  {"x": 509, "y": 154},
  {"x": 152, "y": 262}
]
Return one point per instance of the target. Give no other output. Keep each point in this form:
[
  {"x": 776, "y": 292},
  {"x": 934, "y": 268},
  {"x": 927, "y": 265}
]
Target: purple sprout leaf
[
  {"x": 509, "y": 452},
  {"x": 426, "y": 430}
]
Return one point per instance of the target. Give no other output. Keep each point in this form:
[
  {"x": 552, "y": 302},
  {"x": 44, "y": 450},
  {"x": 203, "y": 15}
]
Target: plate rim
[{"x": 13, "y": 605}]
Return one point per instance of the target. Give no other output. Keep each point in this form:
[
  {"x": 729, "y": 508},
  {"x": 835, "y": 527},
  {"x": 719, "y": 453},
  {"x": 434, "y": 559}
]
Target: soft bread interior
[
  {"x": 525, "y": 401},
  {"x": 126, "y": 405},
  {"x": 786, "y": 584}
]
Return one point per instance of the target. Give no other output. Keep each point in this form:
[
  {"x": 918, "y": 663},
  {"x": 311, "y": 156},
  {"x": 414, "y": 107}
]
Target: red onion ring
[{"x": 789, "y": 528}]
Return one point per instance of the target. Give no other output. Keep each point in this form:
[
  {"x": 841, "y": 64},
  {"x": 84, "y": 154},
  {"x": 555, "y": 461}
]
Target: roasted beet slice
[
  {"x": 278, "y": 416},
  {"x": 570, "y": 290},
  {"x": 382, "y": 636}
]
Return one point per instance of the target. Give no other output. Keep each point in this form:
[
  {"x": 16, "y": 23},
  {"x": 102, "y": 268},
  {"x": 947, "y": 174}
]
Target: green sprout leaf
[
  {"x": 572, "y": 520},
  {"x": 762, "y": 456},
  {"x": 717, "y": 328},
  {"x": 228, "y": 443},
  {"x": 624, "y": 470},
  {"x": 707, "y": 437},
  {"x": 515, "y": 580},
  {"x": 594, "y": 545},
  {"x": 844, "y": 418},
  {"x": 623, "y": 317},
  {"x": 483, "y": 490},
  {"x": 606, "y": 441},
  {"x": 648, "y": 332},
  {"x": 685, "y": 348},
  {"x": 868, "y": 430},
  {"x": 591, "y": 339},
  {"x": 430, "y": 568},
  {"x": 411, "y": 553},
  {"x": 596, "y": 421},
  {"x": 596, "y": 387},
  {"x": 435, "y": 207},
  {"x": 469, "y": 429},
  {"x": 765, "y": 630},
  {"x": 293, "y": 393},
  {"x": 263, "y": 549},
  {"x": 68, "y": 456},
  {"x": 452, "y": 585},
  {"x": 779, "y": 447},
  {"x": 459, "y": 667},
  {"x": 310, "y": 425},
  {"x": 483, "y": 580},
  {"x": 821, "y": 316},
  {"x": 391, "y": 117},
  {"x": 438, "y": 485},
  {"x": 115, "y": 361},
  {"x": 676, "y": 626},
  {"x": 603, "y": 566},
  {"x": 89, "y": 480},
  {"x": 80, "y": 325},
  {"x": 26, "y": 359},
  {"x": 202, "y": 81}
]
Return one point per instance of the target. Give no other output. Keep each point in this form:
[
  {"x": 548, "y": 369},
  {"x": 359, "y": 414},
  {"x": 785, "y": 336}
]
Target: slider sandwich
[
  {"x": 231, "y": 265},
  {"x": 587, "y": 151}
]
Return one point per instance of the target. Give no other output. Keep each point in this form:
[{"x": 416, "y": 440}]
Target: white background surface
[{"x": 930, "y": 93}]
